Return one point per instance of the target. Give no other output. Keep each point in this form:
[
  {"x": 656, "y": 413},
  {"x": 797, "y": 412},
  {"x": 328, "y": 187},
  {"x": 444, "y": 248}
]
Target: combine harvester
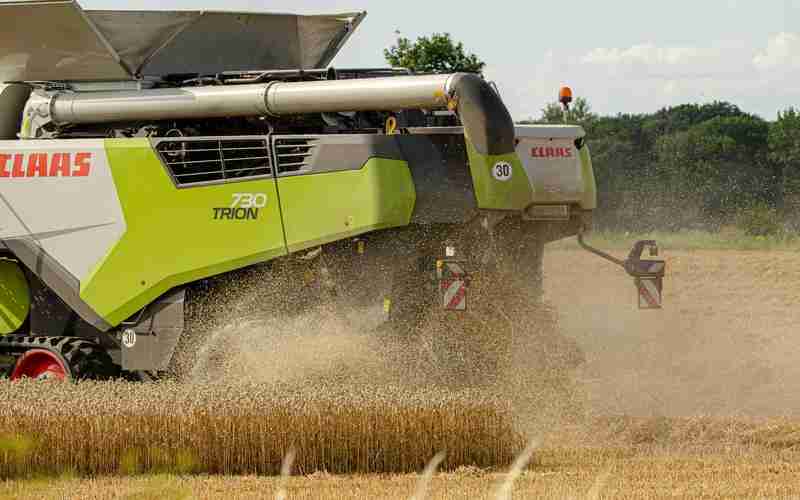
[{"x": 145, "y": 154}]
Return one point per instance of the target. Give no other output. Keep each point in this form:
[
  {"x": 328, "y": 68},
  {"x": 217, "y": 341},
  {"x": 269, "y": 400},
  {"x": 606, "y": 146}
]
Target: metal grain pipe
[
  {"x": 275, "y": 98},
  {"x": 368, "y": 94},
  {"x": 159, "y": 104},
  {"x": 487, "y": 123}
]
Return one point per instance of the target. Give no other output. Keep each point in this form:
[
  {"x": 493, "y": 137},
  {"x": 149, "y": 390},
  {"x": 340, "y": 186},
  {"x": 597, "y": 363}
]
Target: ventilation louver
[
  {"x": 294, "y": 154},
  {"x": 201, "y": 160}
]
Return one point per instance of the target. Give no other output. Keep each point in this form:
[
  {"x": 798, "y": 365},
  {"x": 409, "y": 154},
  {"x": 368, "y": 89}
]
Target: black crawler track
[{"x": 84, "y": 358}]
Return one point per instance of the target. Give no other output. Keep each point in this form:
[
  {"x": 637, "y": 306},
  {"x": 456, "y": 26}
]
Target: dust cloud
[
  {"x": 262, "y": 325},
  {"x": 725, "y": 344},
  {"x": 316, "y": 344},
  {"x": 505, "y": 345}
]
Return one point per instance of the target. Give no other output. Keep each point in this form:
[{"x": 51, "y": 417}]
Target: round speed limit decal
[
  {"x": 129, "y": 338},
  {"x": 502, "y": 171}
]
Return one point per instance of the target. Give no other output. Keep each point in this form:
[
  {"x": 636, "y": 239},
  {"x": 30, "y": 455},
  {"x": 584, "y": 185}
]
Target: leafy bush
[{"x": 759, "y": 220}]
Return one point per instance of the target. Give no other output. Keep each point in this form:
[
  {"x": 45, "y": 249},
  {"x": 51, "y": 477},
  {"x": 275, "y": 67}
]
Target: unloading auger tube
[{"x": 487, "y": 122}]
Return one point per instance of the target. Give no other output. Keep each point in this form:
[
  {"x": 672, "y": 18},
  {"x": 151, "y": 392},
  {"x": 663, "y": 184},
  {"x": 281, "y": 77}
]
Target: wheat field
[
  {"x": 94, "y": 428},
  {"x": 709, "y": 469},
  {"x": 696, "y": 401}
]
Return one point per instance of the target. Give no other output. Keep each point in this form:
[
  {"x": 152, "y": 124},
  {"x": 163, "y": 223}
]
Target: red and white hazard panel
[
  {"x": 649, "y": 293},
  {"x": 455, "y": 294},
  {"x": 453, "y": 284}
]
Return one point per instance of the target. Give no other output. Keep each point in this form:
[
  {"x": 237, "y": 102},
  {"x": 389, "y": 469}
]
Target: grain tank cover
[
  {"x": 154, "y": 43},
  {"x": 59, "y": 41},
  {"x": 43, "y": 40}
]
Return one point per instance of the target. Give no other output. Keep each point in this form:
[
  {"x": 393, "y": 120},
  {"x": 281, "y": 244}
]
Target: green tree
[
  {"x": 784, "y": 148},
  {"x": 719, "y": 165},
  {"x": 580, "y": 113},
  {"x": 435, "y": 54},
  {"x": 784, "y": 139},
  {"x": 682, "y": 117}
]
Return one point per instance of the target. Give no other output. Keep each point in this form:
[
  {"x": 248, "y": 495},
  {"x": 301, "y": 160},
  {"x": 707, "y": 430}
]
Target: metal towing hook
[{"x": 648, "y": 274}]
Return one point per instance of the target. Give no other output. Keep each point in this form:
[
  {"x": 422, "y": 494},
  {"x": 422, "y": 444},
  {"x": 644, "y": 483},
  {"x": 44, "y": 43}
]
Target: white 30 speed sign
[{"x": 502, "y": 171}]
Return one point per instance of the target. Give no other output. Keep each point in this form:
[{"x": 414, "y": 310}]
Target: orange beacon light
[{"x": 565, "y": 96}]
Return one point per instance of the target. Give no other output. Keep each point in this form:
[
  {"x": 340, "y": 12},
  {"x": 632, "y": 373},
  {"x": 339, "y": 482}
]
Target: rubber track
[{"x": 86, "y": 359}]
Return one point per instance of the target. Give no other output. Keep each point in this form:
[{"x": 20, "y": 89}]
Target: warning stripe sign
[
  {"x": 649, "y": 294},
  {"x": 455, "y": 294}
]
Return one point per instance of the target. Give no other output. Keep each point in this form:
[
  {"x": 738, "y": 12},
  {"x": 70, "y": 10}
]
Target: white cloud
[
  {"x": 782, "y": 51},
  {"x": 648, "y": 54},
  {"x": 670, "y": 63},
  {"x": 670, "y": 87},
  {"x": 759, "y": 78},
  {"x": 645, "y": 77}
]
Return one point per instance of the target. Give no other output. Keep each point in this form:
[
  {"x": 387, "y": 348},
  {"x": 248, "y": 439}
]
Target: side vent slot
[
  {"x": 201, "y": 160},
  {"x": 295, "y": 154}
]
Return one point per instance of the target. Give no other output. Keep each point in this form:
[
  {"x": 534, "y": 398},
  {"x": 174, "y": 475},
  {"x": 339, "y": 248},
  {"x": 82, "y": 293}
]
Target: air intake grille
[
  {"x": 194, "y": 161},
  {"x": 294, "y": 154}
]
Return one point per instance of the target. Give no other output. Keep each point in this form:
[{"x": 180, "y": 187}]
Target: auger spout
[{"x": 485, "y": 117}]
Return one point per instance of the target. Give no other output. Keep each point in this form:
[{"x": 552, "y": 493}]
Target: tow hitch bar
[{"x": 648, "y": 274}]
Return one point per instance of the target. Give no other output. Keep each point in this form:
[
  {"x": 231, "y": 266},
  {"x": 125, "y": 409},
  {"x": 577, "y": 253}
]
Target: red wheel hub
[{"x": 39, "y": 364}]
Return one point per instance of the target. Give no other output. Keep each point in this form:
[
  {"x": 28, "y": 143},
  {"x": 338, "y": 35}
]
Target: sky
[{"x": 624, "y": 56}]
